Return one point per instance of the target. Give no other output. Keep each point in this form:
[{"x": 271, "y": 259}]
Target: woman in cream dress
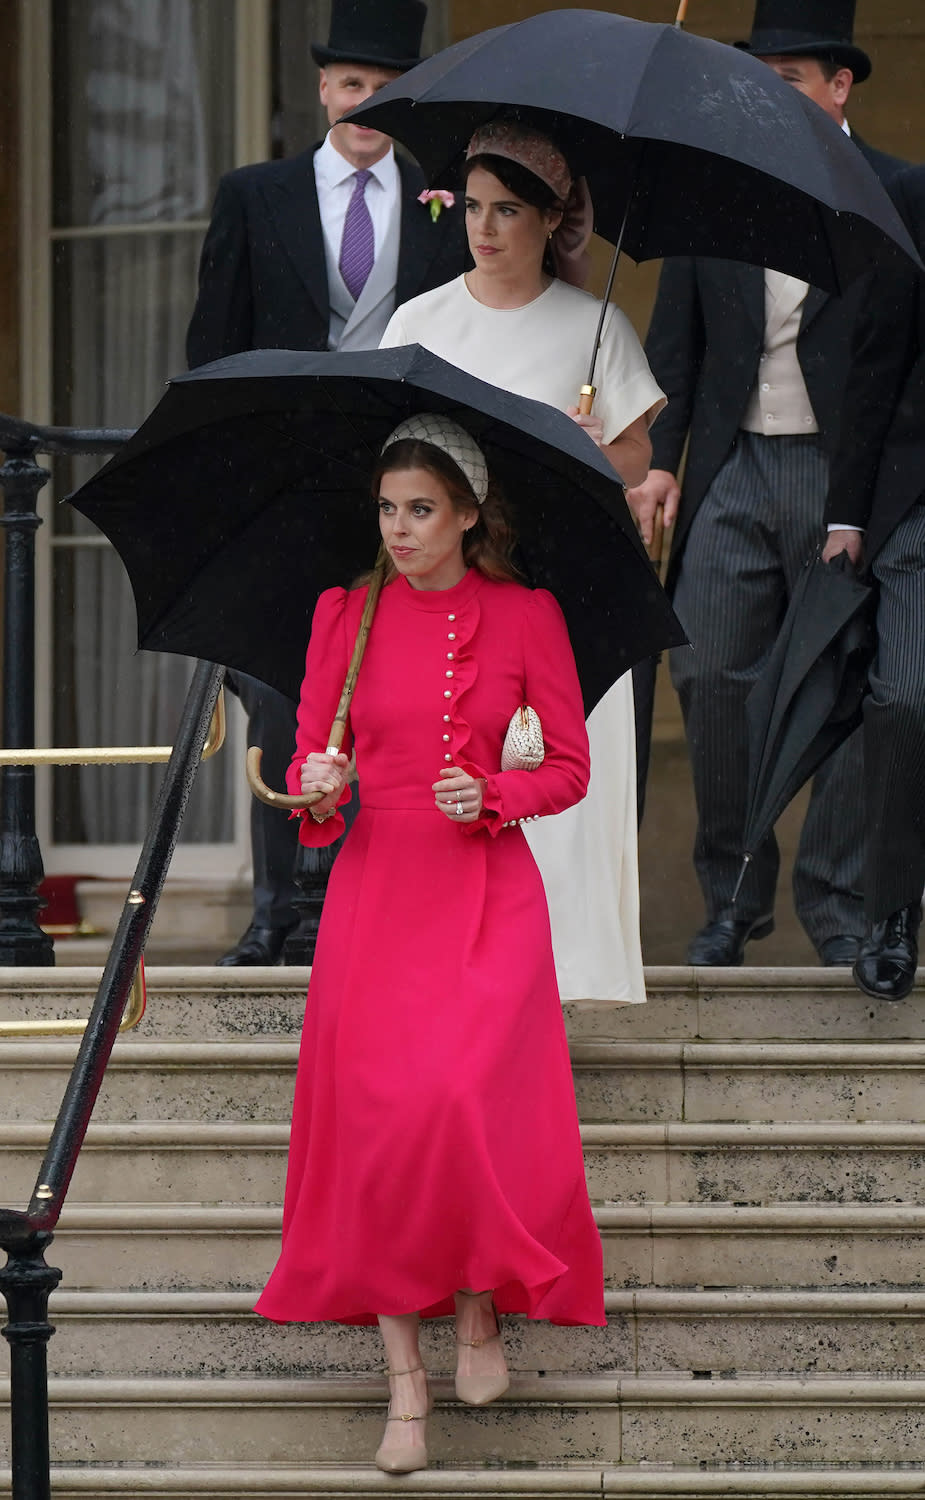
[{"x": 515, "y": 323}]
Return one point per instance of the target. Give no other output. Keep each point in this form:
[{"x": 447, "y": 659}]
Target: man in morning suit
[
  {"x": 878, "y": 487},
  {"x": 754, "y": 364},
  {"x": 316, "y": 252}
]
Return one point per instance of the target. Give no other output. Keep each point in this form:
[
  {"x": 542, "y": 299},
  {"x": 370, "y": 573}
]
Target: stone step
[
  {"x": 557, "y": 1421},
  {"x": 242, "y": 1162},
  {"x": 668, "y": 1482},
  {"x": 652, "y": 1331},
  {"x": 184, "y": 1004},
  {"x": 718, "y": 1005},
  {"x": 196, "y": 920},
  {"x": 748, "y": 1081},
  {"x": 713, "y": 1245},
  {"x": 735, "y": 1005},
  {"x": 154, "y": 1080},
  {"x": 252, "y": 1079}
]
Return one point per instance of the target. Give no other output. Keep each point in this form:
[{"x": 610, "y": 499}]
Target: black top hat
[
  {"x": 808, "y": 28},
  {"x": 383, "y": 33}
]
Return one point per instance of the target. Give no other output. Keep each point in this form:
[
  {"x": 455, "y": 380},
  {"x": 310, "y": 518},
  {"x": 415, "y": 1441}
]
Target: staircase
[{"x": 755, "y": 1154}]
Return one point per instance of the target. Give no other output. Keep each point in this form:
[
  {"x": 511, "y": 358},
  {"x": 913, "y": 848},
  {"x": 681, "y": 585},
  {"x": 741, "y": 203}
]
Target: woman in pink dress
[{"x": 435, "y": 1162}]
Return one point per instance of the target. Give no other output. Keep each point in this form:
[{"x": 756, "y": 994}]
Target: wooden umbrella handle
[
  {"x": 339, "y": 727},
  {"x": 682, "y": 13},
  {"x": 263, "y": 793},
  {"x": 585, "y": 403}
]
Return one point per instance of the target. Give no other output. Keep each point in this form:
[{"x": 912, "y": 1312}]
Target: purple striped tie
[{"x": 358, "y": 246}]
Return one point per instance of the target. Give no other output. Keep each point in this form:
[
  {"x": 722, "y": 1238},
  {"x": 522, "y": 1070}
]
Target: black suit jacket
[
  {"x": 704, "y": 345},
  {"x": 262, "y": 276},
  {"x": 880, "y": 463}
]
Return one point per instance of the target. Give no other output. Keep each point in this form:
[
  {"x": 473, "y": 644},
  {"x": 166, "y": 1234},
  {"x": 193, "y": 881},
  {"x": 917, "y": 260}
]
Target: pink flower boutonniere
[{"x": 439, "y": 199}]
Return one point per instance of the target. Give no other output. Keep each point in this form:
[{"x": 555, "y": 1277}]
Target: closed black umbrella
[
  {"x": 246, "y": 492},
  {"x": 809, "y": 696},
  {"x": 704, "y": 148}
]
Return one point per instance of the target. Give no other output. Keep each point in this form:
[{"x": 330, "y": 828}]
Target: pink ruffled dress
[{"x": 435, "y": 1140}]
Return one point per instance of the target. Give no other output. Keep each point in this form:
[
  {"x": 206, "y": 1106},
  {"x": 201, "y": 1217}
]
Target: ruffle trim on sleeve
[
  {"x": 319, "y": 835},
  {"x": 491, "y": 818}
]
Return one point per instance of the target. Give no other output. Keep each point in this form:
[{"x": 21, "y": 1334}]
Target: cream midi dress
[{"x": 587, "y": 855}]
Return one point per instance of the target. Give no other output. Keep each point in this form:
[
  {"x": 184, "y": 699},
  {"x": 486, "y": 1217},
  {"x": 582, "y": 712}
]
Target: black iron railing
[{"x": 26, "y": 1280}]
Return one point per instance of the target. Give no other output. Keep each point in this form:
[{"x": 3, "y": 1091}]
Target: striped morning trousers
[{"x": 755, "y": 528}]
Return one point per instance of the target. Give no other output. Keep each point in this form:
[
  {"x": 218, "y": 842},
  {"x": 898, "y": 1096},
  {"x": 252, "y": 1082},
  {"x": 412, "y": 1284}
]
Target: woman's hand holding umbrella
[
  {"x": 592, "y": 425},
  {"x": 326, "y": 774}
]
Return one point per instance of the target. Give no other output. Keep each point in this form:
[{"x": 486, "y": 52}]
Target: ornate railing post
[
  {"x": 22, "y": 941},
  {"x": 312, "y": 871},
  {"x": 25, "y": 1283}
]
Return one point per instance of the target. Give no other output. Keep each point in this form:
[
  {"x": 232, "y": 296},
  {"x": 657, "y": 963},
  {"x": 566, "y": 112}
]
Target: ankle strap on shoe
[{"x": 413, "y": 1371}]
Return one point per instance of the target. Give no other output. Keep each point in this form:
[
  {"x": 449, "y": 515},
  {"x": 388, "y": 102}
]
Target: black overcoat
[
  {"x": 704, "y": 345},
  {"x": 881, "y": 459}
]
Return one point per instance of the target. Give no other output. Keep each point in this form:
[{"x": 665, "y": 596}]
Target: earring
[{"x": 549, "y": 235}]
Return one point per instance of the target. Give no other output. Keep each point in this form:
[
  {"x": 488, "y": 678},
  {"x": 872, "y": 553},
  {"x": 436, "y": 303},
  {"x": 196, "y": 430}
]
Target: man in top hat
[
  {"x": 878, "y": 486},
  {"x": 754, "y": 364},
  {"x": 316, "y": 252}
]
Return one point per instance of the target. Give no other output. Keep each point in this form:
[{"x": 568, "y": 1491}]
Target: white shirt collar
[
  {"x": 846, "y": 127},
  {"x": 332, "y": 169}
]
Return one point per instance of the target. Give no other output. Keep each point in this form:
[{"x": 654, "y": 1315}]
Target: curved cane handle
[{"x": 274, "y": 799}]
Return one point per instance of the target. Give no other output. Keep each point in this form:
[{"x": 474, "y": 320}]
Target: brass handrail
[
  {"x": 134, "y": 1010},
  {"x": 117, "y": 755}
]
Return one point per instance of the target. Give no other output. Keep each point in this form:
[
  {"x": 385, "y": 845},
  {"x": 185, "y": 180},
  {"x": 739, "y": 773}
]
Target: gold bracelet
[{"x": 324, "y": 816}]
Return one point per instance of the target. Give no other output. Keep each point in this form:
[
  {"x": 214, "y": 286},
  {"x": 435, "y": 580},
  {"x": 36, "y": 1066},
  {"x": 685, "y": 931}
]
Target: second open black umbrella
[{"x": 702, "y": 148}]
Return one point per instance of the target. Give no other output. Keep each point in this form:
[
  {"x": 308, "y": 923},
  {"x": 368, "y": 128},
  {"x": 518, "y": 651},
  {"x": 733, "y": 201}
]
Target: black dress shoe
[
  {"x": 259, "y": 945},
  {"x": 840, "y": 951},
  {"x": 721, "y": 944},
  {"x": 885, "y": 966}
]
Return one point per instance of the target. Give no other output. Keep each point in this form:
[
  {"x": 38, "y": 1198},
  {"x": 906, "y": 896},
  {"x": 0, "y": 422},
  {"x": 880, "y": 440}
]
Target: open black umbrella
[
  {"x": 246, "y": 492},
  {"x": 809, "y": 696},
  {"x": 702, "y": 148}
]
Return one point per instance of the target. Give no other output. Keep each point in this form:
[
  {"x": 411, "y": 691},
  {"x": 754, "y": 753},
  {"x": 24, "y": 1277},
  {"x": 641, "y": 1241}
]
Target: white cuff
[{"x": 837, "y": 526}]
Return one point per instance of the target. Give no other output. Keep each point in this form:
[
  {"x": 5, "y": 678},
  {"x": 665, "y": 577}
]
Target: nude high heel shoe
[
  {"x": 478, "y": 1389},
  {"x": 404, "y": 1458}
]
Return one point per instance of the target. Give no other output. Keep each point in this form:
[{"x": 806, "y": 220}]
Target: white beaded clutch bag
[{"x": 523, "y": 748}]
